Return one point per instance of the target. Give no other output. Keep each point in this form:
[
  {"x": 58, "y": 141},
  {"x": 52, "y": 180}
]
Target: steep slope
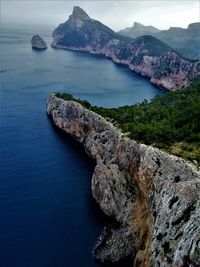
[
  {"x": 152, "y": 196},
  {"x": 80, "y": 30},
  {"x": 185, "y": 41},
  {"x": 145, "y": 55}
]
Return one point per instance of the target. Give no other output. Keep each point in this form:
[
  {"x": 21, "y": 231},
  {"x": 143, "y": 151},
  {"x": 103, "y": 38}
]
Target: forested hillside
[{"x": 170, "y": 121}]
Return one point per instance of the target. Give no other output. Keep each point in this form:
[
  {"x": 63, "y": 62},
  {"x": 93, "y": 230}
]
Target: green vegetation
[
  {"x": 170, "y": 122},
  {"x": 70, "y": 97}
]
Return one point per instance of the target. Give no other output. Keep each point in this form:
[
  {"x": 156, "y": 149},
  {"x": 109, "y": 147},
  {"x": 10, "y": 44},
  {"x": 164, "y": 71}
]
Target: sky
[{"x": 115, "y": 14}]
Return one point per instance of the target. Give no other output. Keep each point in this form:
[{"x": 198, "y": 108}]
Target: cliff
[
  {"x": 153, "y": 196},
  {"x": 145, "y": 55}
]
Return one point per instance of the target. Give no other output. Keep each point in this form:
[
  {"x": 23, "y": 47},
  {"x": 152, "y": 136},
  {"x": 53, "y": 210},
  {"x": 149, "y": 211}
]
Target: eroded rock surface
[
  {"x": 153, "y": 196},
  {"x": 38, "y": 43}
]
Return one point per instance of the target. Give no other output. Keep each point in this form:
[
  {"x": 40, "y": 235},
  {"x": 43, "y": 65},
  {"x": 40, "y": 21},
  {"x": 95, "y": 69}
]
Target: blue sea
[{"x": 48, "y": 217}]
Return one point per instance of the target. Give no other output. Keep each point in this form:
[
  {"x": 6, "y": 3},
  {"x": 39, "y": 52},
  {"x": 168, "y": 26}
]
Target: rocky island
[
  {"x": 38, "y": 43},
  {"x": 145, "y": 55},
  {"x": 153, "y": 197}
]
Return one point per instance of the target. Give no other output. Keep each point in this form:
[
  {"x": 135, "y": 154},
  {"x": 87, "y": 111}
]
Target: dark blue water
[{"x": 47, "y": 214}]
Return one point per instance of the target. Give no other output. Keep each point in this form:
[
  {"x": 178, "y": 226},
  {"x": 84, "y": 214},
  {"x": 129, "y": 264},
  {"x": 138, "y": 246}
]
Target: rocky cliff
[
  {"x": 145, "y": 55},
  {"x": 153, "y": 197},
  {"x": 38, "y": 43}
]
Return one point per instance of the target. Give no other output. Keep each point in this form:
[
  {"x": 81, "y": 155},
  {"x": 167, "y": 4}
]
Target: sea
[{"x": 48, "y": 217}]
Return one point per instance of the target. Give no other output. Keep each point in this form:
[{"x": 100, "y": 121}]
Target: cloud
[{"x": 115, "y": 14}]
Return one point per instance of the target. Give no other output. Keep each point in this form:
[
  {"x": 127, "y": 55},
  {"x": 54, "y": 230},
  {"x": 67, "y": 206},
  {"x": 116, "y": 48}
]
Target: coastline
[
  {"x": 115, "y": 61},
  {"x": 131, "y": 177}
]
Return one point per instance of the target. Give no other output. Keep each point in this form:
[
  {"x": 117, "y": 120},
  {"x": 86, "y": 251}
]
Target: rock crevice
[{"x": 153, "y": 196}]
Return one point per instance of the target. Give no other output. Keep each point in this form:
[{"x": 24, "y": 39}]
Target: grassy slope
[{"x": 170, "y": 122}]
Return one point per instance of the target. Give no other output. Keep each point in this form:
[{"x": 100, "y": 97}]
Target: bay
[{"x": 48, "y": 216}]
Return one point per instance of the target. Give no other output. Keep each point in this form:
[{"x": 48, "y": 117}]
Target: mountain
[
  {"x": 138, "y": 29},
  {"x": 185, "y": 41},
  {"x": 80, "y": 30},
  {"x": 145, "y": 55}
]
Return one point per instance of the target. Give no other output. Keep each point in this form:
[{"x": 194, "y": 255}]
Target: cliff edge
[{"x": 153, "y": 197}]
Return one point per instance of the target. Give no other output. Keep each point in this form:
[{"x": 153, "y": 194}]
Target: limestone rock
[
  {"x": 38, "y": 43},
  {"x": 115, "y": 243},
  {"x": 153, "y": 197}
]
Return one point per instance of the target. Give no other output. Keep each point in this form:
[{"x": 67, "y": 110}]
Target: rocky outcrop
[
  {"x": 153, "y": 197},
  {"x": 38, "y": 43},
  {"x": 145, "y": 55}
]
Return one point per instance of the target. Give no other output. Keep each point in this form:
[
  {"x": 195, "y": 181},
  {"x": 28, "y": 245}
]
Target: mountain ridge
[
  {"x": 184, "y": 40},
  {"x": 138, "y": 29},
  {"x": 146, "y": 55}
]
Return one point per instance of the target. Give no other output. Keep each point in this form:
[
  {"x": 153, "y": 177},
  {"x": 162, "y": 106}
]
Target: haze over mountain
[
  {"x": 186, "y": 41},
  {"x": 138, "y": 29},
  {"x": 145, "y": 55},
  {"x": 115, "y": 14}
]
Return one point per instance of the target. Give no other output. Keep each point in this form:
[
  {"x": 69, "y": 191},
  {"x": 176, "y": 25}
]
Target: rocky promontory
[
  {"x": 145, "y": 55},
  {"x": 38, "y": 43},
  {"x": 153, "y": 197}
]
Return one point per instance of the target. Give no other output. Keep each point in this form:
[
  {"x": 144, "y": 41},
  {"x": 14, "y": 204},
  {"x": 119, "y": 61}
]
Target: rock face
[
  {"x": 38, "y": 43},
  {"x": 145, "y": 55},
  {"x": 153, "y": 197},
  {"x": 185, "y": 41}
]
